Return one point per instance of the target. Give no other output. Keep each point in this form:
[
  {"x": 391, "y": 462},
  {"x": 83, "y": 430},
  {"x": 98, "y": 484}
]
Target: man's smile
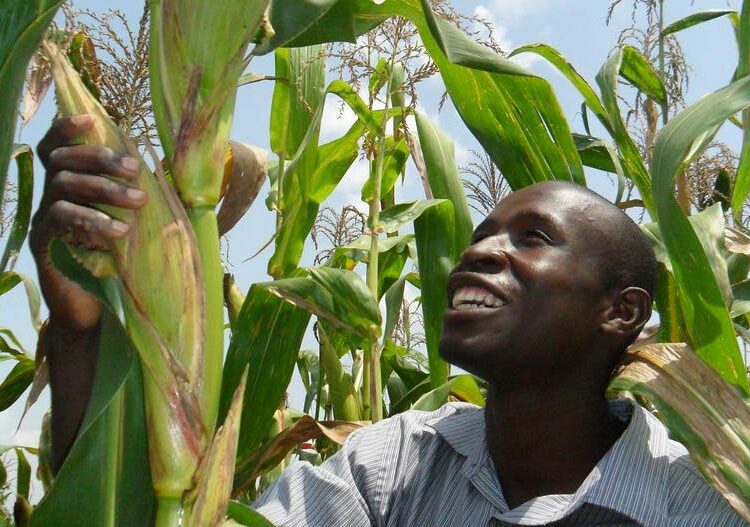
[{"x": 472, "y": 297}]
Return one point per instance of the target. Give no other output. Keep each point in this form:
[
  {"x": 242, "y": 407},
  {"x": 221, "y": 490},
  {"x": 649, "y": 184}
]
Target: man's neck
[{"x": 546, "y": 440}]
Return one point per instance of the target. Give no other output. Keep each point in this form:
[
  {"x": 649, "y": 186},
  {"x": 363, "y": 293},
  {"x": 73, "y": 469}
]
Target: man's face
[{"x": 527, "y": 296}]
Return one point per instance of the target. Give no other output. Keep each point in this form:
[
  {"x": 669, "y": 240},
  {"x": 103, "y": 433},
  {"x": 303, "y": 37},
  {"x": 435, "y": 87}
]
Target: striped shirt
[{"x": 434, "y": 469}]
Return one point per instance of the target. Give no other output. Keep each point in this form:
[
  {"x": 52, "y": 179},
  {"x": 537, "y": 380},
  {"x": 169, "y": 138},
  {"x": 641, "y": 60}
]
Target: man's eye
[{"x": 536, "y": 234}]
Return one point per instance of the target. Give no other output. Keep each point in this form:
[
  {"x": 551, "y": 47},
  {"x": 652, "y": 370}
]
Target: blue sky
[{"x": 575, "y": 27}]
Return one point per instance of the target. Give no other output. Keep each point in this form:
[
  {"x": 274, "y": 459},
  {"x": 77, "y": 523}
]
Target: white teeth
[{"x": 474, "y": 298}]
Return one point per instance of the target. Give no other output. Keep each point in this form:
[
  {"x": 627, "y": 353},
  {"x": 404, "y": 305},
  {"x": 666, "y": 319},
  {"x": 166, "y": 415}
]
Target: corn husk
[
  {"x": 194, "y": 82},
  {"x": 161, "y": 288}
]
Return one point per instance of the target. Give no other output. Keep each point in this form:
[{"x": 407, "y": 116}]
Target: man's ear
[{"x": 628, "y": 313}]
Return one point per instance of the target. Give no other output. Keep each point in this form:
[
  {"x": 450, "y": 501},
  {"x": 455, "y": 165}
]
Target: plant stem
[
  {"x": 203, "y": 220},
  {"x": 373, "y": 382},
  {"x": 279, "y": 189},
  {"x": 168, "y": 512}
]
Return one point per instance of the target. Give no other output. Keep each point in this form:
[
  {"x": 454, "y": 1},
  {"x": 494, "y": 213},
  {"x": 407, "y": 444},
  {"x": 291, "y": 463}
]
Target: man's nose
[{"x": 485, "y": 256}]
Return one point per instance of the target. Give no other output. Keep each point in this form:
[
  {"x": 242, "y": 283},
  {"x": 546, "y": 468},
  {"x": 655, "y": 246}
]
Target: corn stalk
[{"x": 197, "y": 53}]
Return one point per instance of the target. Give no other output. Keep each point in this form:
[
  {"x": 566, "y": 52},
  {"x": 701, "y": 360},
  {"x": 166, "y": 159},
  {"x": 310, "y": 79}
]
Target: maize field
[{"x": 188, "y": 422}]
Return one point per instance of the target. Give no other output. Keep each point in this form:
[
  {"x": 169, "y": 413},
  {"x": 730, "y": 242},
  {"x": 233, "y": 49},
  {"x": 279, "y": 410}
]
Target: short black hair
[{"x": 631, "y": 260}]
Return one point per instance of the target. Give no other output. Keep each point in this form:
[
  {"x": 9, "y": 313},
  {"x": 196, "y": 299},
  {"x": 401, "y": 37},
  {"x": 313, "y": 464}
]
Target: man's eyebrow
[{"x": 533, "y": 215}]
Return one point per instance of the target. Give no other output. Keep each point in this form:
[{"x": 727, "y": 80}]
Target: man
[{"x": 556, "y": 283}]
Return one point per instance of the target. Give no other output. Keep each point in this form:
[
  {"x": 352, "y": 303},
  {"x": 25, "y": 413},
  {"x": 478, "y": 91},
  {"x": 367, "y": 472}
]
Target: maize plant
[{"x": 150, "y": 450}]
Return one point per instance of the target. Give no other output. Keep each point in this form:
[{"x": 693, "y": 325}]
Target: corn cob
[{"x": 159, "y": 279}]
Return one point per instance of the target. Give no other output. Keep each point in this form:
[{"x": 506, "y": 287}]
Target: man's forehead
[{"x": 548, "y": 200}]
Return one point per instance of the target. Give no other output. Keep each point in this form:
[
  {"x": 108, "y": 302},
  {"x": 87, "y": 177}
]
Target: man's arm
[
  {"x": 77, "y": 177},
  {"x": 71, "y": 356},
  {"x": 325, "y": 495}
]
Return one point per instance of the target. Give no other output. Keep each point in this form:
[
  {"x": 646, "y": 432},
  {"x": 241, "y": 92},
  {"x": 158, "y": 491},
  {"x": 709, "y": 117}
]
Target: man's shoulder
[{"x": 416, "y": 424}]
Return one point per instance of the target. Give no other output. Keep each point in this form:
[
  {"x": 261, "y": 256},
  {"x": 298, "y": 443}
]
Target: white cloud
[
  {"x": 509, "y": 10},
  {"x": 500, "y": 33},
  {"x": 350, "y": 186},
  {"x": 336, "y": 120}
]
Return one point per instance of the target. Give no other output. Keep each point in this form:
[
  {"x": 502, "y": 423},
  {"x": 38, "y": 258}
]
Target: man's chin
[{"x": 468, "y": 358}]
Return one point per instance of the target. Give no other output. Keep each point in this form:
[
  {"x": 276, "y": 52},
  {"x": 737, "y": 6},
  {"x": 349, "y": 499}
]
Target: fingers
[
  {"x": 63, "y": 132},
  {"x": 86, "y": 189},
  {"x": 80, "y": 225},
  {"x": 93, "y": 159}
]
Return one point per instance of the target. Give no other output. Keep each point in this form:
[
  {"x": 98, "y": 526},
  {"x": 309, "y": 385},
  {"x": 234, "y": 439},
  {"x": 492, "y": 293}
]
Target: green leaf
[
  {"x": 23, "y": 25},
  {"x": 632, "y": 162},
  {"x": 706, "y": 317},
  {"x": 267, "y": 340},
  {"x": 378, "y": 77},
  {"x": 396, "y": 154},
  {"x": 435, "y": 238},
  {"x": 637, "y": 70},
  {"x": 512, "y": 113},
  {"x": 694, "y": 20},
  {"x": 393, "y": 218},
  {"x": 24, "y": 196},
  {"x": 343, "y": 395},
  {"x": 298, "y": 91},
  {"x": 244, "y": 515},
  {"x": 709, "y": 227},
  {"x": 334, "y": 159},
  {"x": 410, "y": 374},
  {"x": 305, "y": 22},
  {"x": 393, "y": 297},
  {"x": 303, "y": 192},
  {"x": 741, "y": 295},
  {"x": 599, "y": 154},
  {"x": 391, "y": 263},
  {"x": 10, "y": 279},
  {"x": 445, "y": 182},
  {"x": 462, "y": 387},
  {"x": 19, "y": 378},
  {"x": 554, "y": 57},
  {"x": 742, "y": 176},
  {"x": 625, "y": 61},
  {"x": 23, "y": 474},
  {"x": 110, "y": 453},
  {"x": 341, "y": 297}
]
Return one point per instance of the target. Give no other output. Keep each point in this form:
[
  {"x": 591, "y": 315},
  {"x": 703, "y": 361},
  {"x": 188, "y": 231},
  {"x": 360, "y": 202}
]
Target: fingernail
[
  {"x": 130, "y": 164},
  {"x": 81, "y": 120},
  {"x": 119, "y": 228},
  {"x": 135, "y": 194}
]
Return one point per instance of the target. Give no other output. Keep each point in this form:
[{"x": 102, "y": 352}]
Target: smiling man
[{"x": 556, "y": 283}]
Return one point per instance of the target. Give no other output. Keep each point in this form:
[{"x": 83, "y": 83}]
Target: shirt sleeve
[{"x": 322, "y": 496}]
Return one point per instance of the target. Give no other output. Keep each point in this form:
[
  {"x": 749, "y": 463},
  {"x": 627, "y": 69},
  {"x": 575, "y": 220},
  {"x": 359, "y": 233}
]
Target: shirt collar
[{"x": 631, "y": 478}]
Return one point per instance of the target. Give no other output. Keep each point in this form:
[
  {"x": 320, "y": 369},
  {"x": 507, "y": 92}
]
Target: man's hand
[
  {"x": 78, "y": 178},
  {"x": 75, "y": 182}
]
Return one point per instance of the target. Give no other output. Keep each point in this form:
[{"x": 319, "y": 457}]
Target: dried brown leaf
[
  {"x": 249, "y": 171},
  {"x": 305, "y": 429},
  {"x": 216, "y": 473},
  {"x": 736, "y": 241}
]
